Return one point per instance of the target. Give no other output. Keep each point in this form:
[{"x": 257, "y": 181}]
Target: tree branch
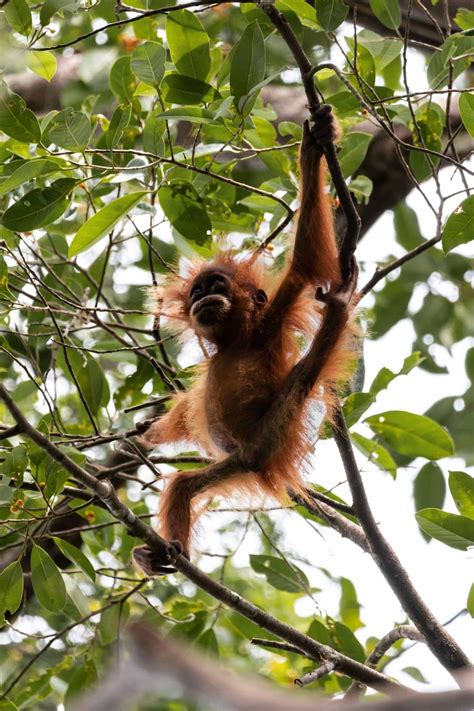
[{"x": 443, "y": 646}]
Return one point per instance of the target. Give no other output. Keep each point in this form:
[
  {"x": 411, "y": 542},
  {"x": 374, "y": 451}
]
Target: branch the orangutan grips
[{"x": 247, "y": 409}]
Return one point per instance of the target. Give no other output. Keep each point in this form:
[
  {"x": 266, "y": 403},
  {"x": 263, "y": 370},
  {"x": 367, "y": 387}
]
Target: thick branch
[{"x": 443, "y": 646}]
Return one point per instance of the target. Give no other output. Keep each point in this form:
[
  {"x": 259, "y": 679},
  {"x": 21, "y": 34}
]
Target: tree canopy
[{"x": 133, "y": 137}]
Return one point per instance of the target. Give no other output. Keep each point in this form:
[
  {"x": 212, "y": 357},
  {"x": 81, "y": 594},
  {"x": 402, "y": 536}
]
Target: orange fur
[{"x": 237, "y": 384}]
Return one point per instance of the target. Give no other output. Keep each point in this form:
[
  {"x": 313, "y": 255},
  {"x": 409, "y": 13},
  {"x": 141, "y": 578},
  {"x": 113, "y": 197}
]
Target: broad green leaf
[
  {"x": 304, "y": 11},
  {"x": 16, "y": 120},
  {"x": 413, "y": 435},
  {"x": 49, "y": 8},
  {"x": 193, "y": 114},
  {"x": 349, "y": 606},
  {"x": 207, "y": 641},
  {"x": 70, "y": 129},
  {"x": 279, "y": 573},
  {"x": 181, "y": 89},
  {"x": 464, "y": 19},
  {"x": 122, "y": 80},
  {"x": 118, "y": 123},
  {"x": 388, "y": 12},
  {"x": 361, "y": 187},
  {"x": 47, "y": 581},
  {"x": 470, "y": 601},
  {"x": 385, "y": 376},
  {"x": 318, "y": 631},
  {"x": 248, "y": 62},
  {"x": 452, "y": 530},
  {"x": 461, "y": 486},
  {"x": 11, "y": 588},
  {"x": 353, "y": 151},
  {"x": 454, "y": 57},
  {"x": 153, "y": 133},
  {"x": 110, "y": 621},
  {"x": 355, "y": 405},
  {"x": 103, "y": 222},
  {"x": 14, "y": 461},
  {"x": 429, "y": 488},
  {"x": 415, "y": 673},
  {"x": 148, "y": 63},
  {"x": 331, "y": 13},
  {"x": 345, "y": 641},
  {"x": 375, "y": 452},
  {"x": 188, "y": 43},
  {"x": 466, "y": 107},
  {"x": 407, "y": 228},
  {"x": 181, "y": 205},
  {"x": 18, "y": 15},
  {"x": 39, "y": 207},
  {"x": 84, "y": 677},
  {"x": 28, "y": 171},
  {"x": 459, "y": 228},
  {"x": 44, "y": 64},
  {"x": 384, "y": 50},
  {"x": 76, "y": 556}
]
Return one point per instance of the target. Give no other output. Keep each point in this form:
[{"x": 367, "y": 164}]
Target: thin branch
[{"x": 316, "y": 674}]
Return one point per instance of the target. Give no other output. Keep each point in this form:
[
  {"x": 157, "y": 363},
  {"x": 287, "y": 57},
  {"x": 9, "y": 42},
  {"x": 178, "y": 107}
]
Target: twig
[{"x": 316, "y": 674}]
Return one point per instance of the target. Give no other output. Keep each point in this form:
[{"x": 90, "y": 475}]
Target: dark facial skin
[{"x": 213, "y": 307}]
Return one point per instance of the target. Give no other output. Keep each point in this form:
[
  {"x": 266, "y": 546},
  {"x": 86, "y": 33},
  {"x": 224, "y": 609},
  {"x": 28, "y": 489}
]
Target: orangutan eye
[
  {"x": 261, "y": 297},
  {"x": 196, "y": 293}
]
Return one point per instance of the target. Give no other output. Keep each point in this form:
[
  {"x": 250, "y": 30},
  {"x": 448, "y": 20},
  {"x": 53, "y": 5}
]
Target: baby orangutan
[{"x": 249, "y": 406}]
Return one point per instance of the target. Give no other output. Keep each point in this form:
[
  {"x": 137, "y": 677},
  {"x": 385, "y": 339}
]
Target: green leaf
[
  {"x": 47, "y": 581},
  {"x": 14, "y": 461},
  {"x": 304, "y": 12},
  {"x": 349, "y": 606},
  {"x": 18, "y": 15},
  {"x": 153, "y": 133},
  {"x": 122, "y": 80},
  {"x": 464, "y": 19},
  {"x": 345, "y": 641},
  {"x": 193, "y": 114},
  {"x": 39, "y": 207},
  {"x": 376, "y": 453},
  {"x": 387, "y": 12},
  {"x": 181, "y": 205},
  {"x": 452, "y": 530},
  {"x": 355, "y": 405},
  {"x": 429, "y": 489},
  {"x": 353, "y": 151},
  {"x": 103, "y": 222},
  {"x": 148, "y": 63},
  {"x": 70, "y": 130},
  {"x": 110, "y": 622},
  {"x": 453, "y": 58},
  {"x": 118, "y": 123},
  {"x": 385, "y": 376},
  {"x": 413, "y": 435},
  {"x": 11, "y": 588},
  {"x": 466, "y": 107},
  {"x": 331, "y": 13},
  {"x": 279, "y": 573},
  {"x": 461, "y": 486},
  {"x": 470, "y": 601},
  {"x": 207, "y": 641},
  {"x": 16, "y": 120},
  {"x": 49, "y": 8},
  {"x": 44, "y": 64},
  {"x": 27, "y": 171},
  {"x": 248, "y": 62},
  {"x": 83, "y": 678},
  {"x": 188, "y": 43},
  {"x": 181, "y": 89},
  {"x": 406, "y": 225},
  {"x": 459, "y": 228},
  {"x": 76, "y": 556}
]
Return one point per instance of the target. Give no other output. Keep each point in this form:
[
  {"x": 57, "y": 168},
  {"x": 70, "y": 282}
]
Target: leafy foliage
[{"x": 166, "y": 146}]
